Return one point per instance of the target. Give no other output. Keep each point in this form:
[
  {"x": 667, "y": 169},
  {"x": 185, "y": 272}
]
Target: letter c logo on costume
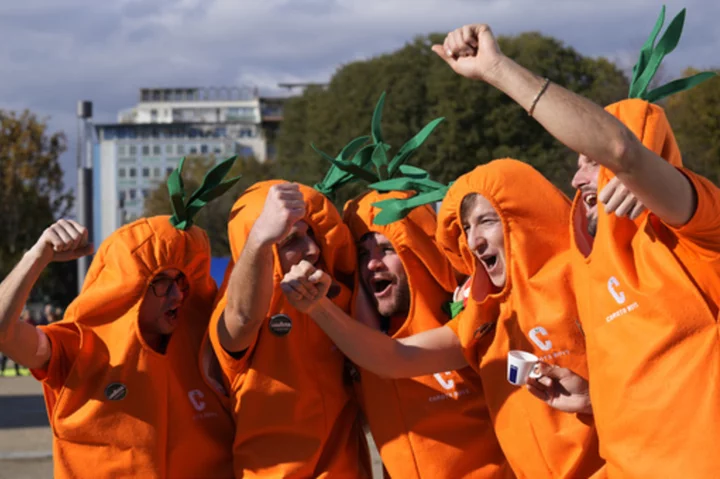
[
  {"x": 619, "y": 296},
  {"x": 534, "y": 336},
  {"x": 447, "y": 385},
  {"x": 196, "y": 397}
]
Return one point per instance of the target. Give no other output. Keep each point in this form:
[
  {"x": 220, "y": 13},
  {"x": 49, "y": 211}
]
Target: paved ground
[{"x": 25, "y": 439}]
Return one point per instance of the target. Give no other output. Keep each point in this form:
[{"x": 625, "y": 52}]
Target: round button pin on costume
[
  {"x": 280, "y": 325},
  {"x": 115, "y": 391}
]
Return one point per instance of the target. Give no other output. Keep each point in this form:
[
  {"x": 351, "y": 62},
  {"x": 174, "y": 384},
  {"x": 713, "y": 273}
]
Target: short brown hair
[{"x": 466, "y": 205}]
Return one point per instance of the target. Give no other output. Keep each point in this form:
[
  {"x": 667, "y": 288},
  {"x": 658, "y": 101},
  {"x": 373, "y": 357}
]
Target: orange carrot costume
[
  {"x": 534, "y": 312},
  {"x": 434, "y": 426},
  {"x": 292, "y": 407},
  {"x": 648, "y": 298},
  {"x": 118, "y": 408}
]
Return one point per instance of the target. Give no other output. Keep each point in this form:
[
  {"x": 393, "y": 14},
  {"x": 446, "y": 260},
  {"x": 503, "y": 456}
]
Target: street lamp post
[{"x": 84, "y": 182}]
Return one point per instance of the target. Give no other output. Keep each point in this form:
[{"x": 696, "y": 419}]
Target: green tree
[
  {"x": 32, "y": 196},
  {"x": 213, "y": 218},
  {"x": 695, "y": 117},
  {"x": 480, "y": 124}
]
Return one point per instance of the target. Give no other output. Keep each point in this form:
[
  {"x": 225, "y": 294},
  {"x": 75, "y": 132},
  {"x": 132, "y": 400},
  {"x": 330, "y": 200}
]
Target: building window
[
  {"x": 121, "y": 173},
  {"x": 133, "y": 150},
  {"x": 133, "y": 172},
  {"x": 157, "y": 150},
  {"x": 121, "y": 150},
  {"x": 168, "y": 149},
  {"x": 153, "y": 115},
  {"x": 155, "y": 133},
  {"x": 193, "y": 150},
  {"x": 132, "y": 194},
  {"x": 168, "y": 170},
  {"x": 121, "y": 198},
  {"x": 203, "y": 148},
  {"x": 217, "y": 150},
  {"x": 156, "y": 172},
  {"x": 145, "y": 133},
  {"x": 145, "y": 193},
  {"x": 146, "y": 172},
  {"x": 145, "y": 150},
  {"x": 181, "y": 149}
]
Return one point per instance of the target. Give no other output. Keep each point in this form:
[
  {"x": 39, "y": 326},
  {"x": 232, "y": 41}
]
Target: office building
[{"x": 133, "y": 156}]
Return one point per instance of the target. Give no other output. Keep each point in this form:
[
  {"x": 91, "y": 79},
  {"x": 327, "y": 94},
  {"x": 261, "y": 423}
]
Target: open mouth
[
  {"x": 381, "y": 286},
  {"x": 590, "y": 200},
  {"x": 171, "y": 315},
  {"x": 490, "y": 261}
]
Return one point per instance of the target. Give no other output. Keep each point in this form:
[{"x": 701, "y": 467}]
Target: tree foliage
[
  {"x": 480, "y": 124},
  {"x": 32, "y": 196},
  {"x": 695, "y": 117}
]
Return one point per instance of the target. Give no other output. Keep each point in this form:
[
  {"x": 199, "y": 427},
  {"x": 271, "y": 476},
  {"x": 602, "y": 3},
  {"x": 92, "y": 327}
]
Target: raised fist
[
  {"x": 64, "y": 240},
  {"x": 471, "y": 51},
  {"x": 284, "y": 206}
]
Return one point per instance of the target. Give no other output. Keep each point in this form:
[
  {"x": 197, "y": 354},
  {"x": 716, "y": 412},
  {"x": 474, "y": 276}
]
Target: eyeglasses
[{"x": 161, "y": 286}]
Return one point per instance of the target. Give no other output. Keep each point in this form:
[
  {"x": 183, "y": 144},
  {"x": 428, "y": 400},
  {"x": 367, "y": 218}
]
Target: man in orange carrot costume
[
  {"x": 124, "y": 389},
  {"x": 434, "y": 426},
  {"x": 647, "y": 289},
  {"x": 516, "y": 247},
  {"x": 292, "y": 406}
]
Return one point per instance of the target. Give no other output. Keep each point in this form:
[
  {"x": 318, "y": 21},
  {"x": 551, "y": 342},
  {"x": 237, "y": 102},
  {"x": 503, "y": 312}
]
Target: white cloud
[{"x": 59, "y": 52}]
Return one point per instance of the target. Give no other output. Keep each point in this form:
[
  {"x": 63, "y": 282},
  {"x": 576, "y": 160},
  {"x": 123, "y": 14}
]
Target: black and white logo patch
[
  {"x": 115, "y": 391},
  {"x": 280, "y": 324}
]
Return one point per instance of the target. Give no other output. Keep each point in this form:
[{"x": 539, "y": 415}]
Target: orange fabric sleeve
[
  {"x": 703, "y": 229},
  {"x": 453, "y": 324},
  {"x": 64, "y": 347}
]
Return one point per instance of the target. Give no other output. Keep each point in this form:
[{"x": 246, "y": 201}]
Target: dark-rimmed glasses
[{"x": 161, "y": 286}]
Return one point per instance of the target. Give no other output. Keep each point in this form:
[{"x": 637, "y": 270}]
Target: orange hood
[
  {"x": 429, "y": 273},
  {"x": 336, "y": 245},
  {"x": 535, "y": 227},
  {"x": 649, "y": 123},
  {"x": 125, "y": 264},
  {"x": 537, "y": 440}
]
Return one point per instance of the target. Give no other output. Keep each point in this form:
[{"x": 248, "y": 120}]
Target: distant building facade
[{"x": 131, "y": 157}]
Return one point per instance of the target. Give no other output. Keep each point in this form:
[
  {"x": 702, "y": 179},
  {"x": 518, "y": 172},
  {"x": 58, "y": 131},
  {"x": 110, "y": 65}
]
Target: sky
[{"x": 56, "y": 52}]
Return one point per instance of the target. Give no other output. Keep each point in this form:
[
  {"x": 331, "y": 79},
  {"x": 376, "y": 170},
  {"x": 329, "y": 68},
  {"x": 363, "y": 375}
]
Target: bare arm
[
  {"x": 577, "y": 122},
  {"x": 250, "y": 287},
  {"x": 23, "y": 342},
  {"x": 249, "y": 293},
  {"x": 429, "y": 352}
]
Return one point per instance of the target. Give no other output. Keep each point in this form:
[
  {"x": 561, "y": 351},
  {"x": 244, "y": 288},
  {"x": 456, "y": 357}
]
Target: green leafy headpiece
[
  {"x": 212, "y": 186},
  {"x": 359, "y": 160},
  {"x": 415, "y": 179},
  {"x": 651, "y": 55}
]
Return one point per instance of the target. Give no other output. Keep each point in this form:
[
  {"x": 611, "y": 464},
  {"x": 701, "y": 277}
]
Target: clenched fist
[
  {"x": 64, "y": 240},
  {"x": 304, "y": 285},
  {"x": 471, "y": 51},
  {"x": 284, "y": 206}
]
